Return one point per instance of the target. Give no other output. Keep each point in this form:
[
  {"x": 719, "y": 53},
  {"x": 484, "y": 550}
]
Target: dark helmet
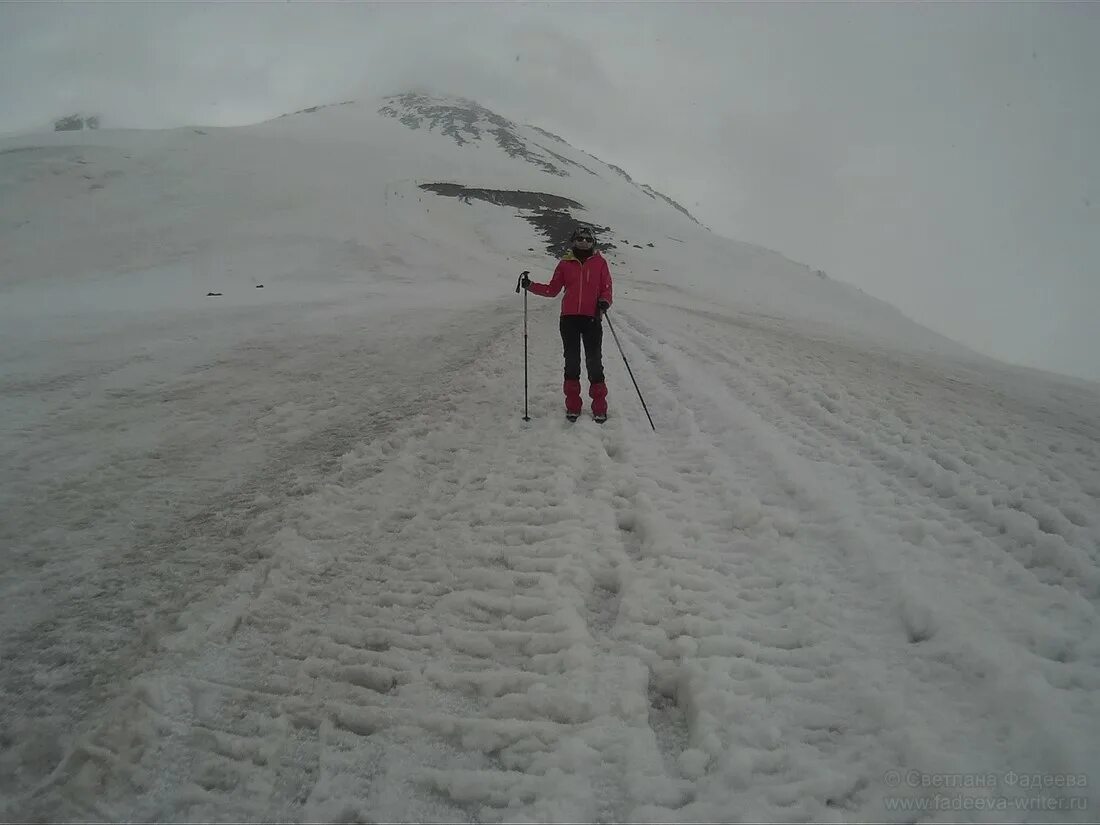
[{"x": 582, "y": 233}]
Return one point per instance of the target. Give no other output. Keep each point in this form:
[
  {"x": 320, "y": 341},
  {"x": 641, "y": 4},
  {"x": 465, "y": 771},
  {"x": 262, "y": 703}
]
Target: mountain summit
[{"x": 464, "y": 120}]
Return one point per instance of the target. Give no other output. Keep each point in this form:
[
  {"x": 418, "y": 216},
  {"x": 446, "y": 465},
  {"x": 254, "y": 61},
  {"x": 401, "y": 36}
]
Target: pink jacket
[{"x": 584, "y": 283}]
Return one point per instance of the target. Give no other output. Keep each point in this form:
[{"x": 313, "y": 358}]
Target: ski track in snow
[{"x": 796, "y": 585}]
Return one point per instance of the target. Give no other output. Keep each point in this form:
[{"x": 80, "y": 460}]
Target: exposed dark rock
[
  {"x": 547, "y": 213},
  {"x": 549, "y": 134},
  {"x": 653, "y": 192},
  {"x": 557, "y": 227},
  {"x": 615, "y": 168},
  {"x": 313, "y": 109},
  {"x": 517, "y": 148},
  {"x": 464, "y": 121},
  {"x": 75, "y": 123},
  {"x": 567, "y": 161},
  {"x": 213, "y": 294},
  {"x": 503, "y": 197},
  {"x": 648, "y": 190}
]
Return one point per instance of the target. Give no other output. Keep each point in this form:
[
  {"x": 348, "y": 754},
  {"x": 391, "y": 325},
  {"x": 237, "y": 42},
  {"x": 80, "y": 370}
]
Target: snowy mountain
[{"x": 278, "y": 545}]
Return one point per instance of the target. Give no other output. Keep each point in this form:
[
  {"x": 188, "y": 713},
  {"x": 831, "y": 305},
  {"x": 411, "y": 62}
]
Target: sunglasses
[{"x": 583, "y": 239}]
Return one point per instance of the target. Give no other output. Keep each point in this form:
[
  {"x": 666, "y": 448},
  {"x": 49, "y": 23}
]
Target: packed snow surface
[{"x": 291, "y": 553}]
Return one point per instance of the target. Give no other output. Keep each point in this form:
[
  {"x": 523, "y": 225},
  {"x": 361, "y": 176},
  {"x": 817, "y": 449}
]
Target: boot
[
  {"x": 573, "y": 403},
  {"x": 598, "y": 394}
]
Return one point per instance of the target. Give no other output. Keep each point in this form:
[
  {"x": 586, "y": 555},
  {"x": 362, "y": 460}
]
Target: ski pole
[
  {"x": 519, "y": 283},
  {"x": 623, "y": 354}
]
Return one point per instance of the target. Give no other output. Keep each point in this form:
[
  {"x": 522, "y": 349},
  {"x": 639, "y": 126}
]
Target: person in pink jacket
[{"x": 584, "y": 276}]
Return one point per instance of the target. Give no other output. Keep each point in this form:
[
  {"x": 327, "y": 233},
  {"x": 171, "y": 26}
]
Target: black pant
[{"x": 574, "y": 328}]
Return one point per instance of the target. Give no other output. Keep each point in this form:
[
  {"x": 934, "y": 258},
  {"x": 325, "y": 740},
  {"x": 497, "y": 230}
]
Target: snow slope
[{"x": 290, "y": 553}]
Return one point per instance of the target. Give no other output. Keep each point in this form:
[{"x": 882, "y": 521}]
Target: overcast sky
[{"x": 942, "y": 156}]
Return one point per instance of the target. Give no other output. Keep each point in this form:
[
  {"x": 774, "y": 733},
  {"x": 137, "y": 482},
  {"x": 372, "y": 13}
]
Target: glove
[
  {"x": 524, "y": 281},
  {"x": 602, "y": 306}
]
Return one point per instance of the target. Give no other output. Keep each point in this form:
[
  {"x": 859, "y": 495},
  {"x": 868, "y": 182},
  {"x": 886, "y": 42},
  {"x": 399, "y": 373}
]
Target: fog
[{"x": 941, "y": 157}]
